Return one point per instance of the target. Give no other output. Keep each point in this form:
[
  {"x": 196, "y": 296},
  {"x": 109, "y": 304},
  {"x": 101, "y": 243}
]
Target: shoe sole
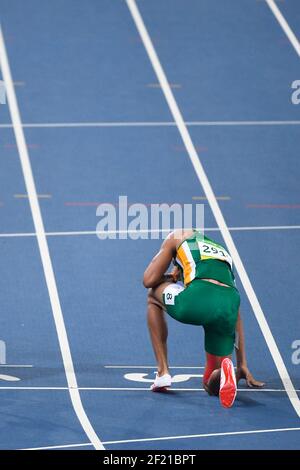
[
  {"x": 159, "y": 389},
  {"x": 228, "y": 387}
]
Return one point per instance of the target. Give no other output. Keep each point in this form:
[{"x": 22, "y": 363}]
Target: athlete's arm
[
  {"x": 242, "y": 368},
  {"x": 155, "y": 272},
  {"x": 240, "y": 343}
]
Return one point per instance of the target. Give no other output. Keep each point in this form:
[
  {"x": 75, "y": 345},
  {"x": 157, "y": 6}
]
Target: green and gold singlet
[{"x": 199, "y": 257}]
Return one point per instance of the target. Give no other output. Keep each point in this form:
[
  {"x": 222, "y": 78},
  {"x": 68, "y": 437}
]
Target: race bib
[{"x": 211, "y": 251}]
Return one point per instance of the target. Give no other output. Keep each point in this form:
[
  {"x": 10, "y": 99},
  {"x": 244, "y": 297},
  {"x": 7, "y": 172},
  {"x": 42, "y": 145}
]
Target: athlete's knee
[
  {"x": 150, "y": 295},
  {"x": 151, "y": 298},
  {"x": 212, "y": 386}
]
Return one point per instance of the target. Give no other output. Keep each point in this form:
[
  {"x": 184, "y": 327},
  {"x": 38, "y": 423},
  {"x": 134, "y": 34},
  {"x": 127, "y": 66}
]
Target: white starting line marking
[
  {"x": 114, "y": 124},
  {"x": 136, "y": 389},
  {"x": 153, "y": 367},
  {"x": 112, "y": 232},
  {"x": 16, "y": 365},
  {"x": 135, "y": 377}
]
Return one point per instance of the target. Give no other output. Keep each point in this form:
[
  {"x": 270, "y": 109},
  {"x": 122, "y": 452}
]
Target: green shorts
[{"x": 210, "y": 305}]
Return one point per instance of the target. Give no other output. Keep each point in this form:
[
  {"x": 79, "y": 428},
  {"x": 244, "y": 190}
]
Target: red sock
[{"x": 212, "y": 363}]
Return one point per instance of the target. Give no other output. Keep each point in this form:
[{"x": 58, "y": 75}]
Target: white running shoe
[{"x": 161, "y": 383}]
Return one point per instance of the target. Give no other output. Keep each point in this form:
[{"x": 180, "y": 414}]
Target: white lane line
[
  {"x": 193, "y": 436},
  {"x": 16, "y": 365},
  {"x": 43, "y": 248},
  {"x": 116, "y": 232},
  {"x": 282, "y": 370},
  {"x": 153, "y": 367},
  {"x": 285, "y": 26},
  {"x": 35, "y": 388},
  {"x": 17, "y": 235},
  {"x": 266, "y": 227},
  {"x": 152, "y": 124},
  {"x": 65, "y": 446},
  {"x": 219, "y": 198},
  {"x": 157, "y": 85},
  {"x": 40, "y": 196},
  {"x": 178, "y": 389},
  {"x": 136, "y": 389},
  {"x": 242, "y": 123}
]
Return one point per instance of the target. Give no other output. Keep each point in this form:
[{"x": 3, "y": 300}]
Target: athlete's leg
[
  {"x": 220, "y": 334},
  {"x": 158, "y": 327}
]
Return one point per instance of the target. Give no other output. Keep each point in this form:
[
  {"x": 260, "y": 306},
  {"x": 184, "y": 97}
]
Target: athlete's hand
[{"x": 244, "y": 373}]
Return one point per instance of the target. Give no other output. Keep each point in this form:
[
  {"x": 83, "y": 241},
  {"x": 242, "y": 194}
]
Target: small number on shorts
[{"x": 169, "y": 296}]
